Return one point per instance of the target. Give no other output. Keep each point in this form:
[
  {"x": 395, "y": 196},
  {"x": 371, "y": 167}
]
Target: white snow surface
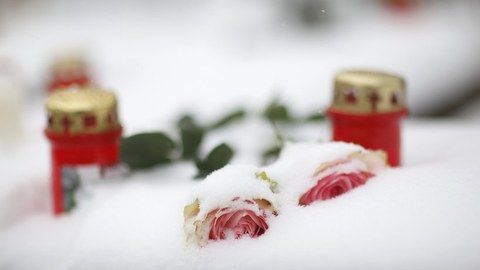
[{"x": 423, "y": 215}]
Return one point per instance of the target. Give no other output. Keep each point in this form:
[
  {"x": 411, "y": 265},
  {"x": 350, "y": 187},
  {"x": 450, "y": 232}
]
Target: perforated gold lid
[
  {"x": 365, "y": 92},
  {"x": 82, "y": 110}
]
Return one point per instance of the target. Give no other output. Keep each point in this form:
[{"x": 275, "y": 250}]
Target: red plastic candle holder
[
  {"x": 367, "y": 110},
  {"x": 68, "y": 71},
  {"x": 84, "y": 132}
]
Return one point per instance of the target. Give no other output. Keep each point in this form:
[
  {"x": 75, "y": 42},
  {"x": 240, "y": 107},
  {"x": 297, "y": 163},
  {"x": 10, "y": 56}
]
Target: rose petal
[
  {"x": 237, "y": 223},
  {"x": 334, "y": 185}
]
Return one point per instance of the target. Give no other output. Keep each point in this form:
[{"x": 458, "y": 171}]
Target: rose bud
[
  {"x": 343, "y": 166},
  {"x": 231, "y": 203},
  {"x": 337, "y": 177}
]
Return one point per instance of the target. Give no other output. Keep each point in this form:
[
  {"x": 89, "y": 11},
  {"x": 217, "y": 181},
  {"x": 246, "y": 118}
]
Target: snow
[
  {"x": 423, "y": 215},
  {"x": 298, "y": 162},
  {"x": 222, "y": 186}
]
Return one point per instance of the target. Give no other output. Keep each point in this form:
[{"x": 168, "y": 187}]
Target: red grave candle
[
  {"x": 84, "y": 132},
  {"x": 367, "y": 109},
  {"x": 66, "y": 71}
]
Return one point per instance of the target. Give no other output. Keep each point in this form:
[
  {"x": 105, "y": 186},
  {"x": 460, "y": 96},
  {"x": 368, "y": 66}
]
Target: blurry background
[{"x": 163, "y": 57}]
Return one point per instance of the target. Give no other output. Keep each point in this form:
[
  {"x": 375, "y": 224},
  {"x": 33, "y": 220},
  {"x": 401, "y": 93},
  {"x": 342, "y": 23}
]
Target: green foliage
[
  {"x": 277, "y": 112},
  {"x": 315, "y": 117},
  {"x": 229, "y": 118},
  {"x": 145, "y": 150},
  {"x": 191, "y": 136},
  {"x": 271, "y": 154},
  {"x": 273, "y": 185},
  {"x": 216, "y": 159}
]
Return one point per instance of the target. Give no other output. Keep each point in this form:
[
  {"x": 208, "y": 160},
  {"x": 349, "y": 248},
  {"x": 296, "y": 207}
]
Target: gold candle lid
[
  {"x": 81, "y": 111},
  {"x": 366, "y": 92}
]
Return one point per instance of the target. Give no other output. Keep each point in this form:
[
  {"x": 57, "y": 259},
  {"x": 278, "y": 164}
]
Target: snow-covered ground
[{"x": 424, "y": 215}]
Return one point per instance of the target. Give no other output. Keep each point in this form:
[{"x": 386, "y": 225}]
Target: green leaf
[
  {"x": 264, "y": 177},
  {"x": 271, "y": 154},
  {"x": 191, "y": 136},
  {"x": 229, "y": 118},
  {"x": 219, "y": 156},
  {"x": 315, "y": 117},
  {"x": 216, "y": 159},
  {"x": 277, "y": 112},
  {"x": 146, "y": 150}
]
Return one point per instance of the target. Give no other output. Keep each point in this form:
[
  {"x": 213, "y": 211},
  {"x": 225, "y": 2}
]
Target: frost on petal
[
  {"x": 334, "y": 178},
  {"x": 241, "y": 218},
  {"x": 334, "y": 185}
]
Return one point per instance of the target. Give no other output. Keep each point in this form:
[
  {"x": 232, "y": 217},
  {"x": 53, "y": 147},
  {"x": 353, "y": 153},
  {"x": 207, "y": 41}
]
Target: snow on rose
[
  {"x": 307, "y": 172},
  {"x": 238, "y": 219},
  {"x": 239, "y": 201},
  {"x": 335, "y": 178},
  {"x": 240, "y": 206}
]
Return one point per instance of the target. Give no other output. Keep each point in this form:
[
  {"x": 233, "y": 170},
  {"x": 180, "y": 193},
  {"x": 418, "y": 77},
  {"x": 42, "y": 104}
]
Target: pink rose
[
  {"x": 239, "y": 222},
  {"x": 247, "y": 217},
  {"x": 337, "y": 177},
  {"x": 333, "y": 185}
]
